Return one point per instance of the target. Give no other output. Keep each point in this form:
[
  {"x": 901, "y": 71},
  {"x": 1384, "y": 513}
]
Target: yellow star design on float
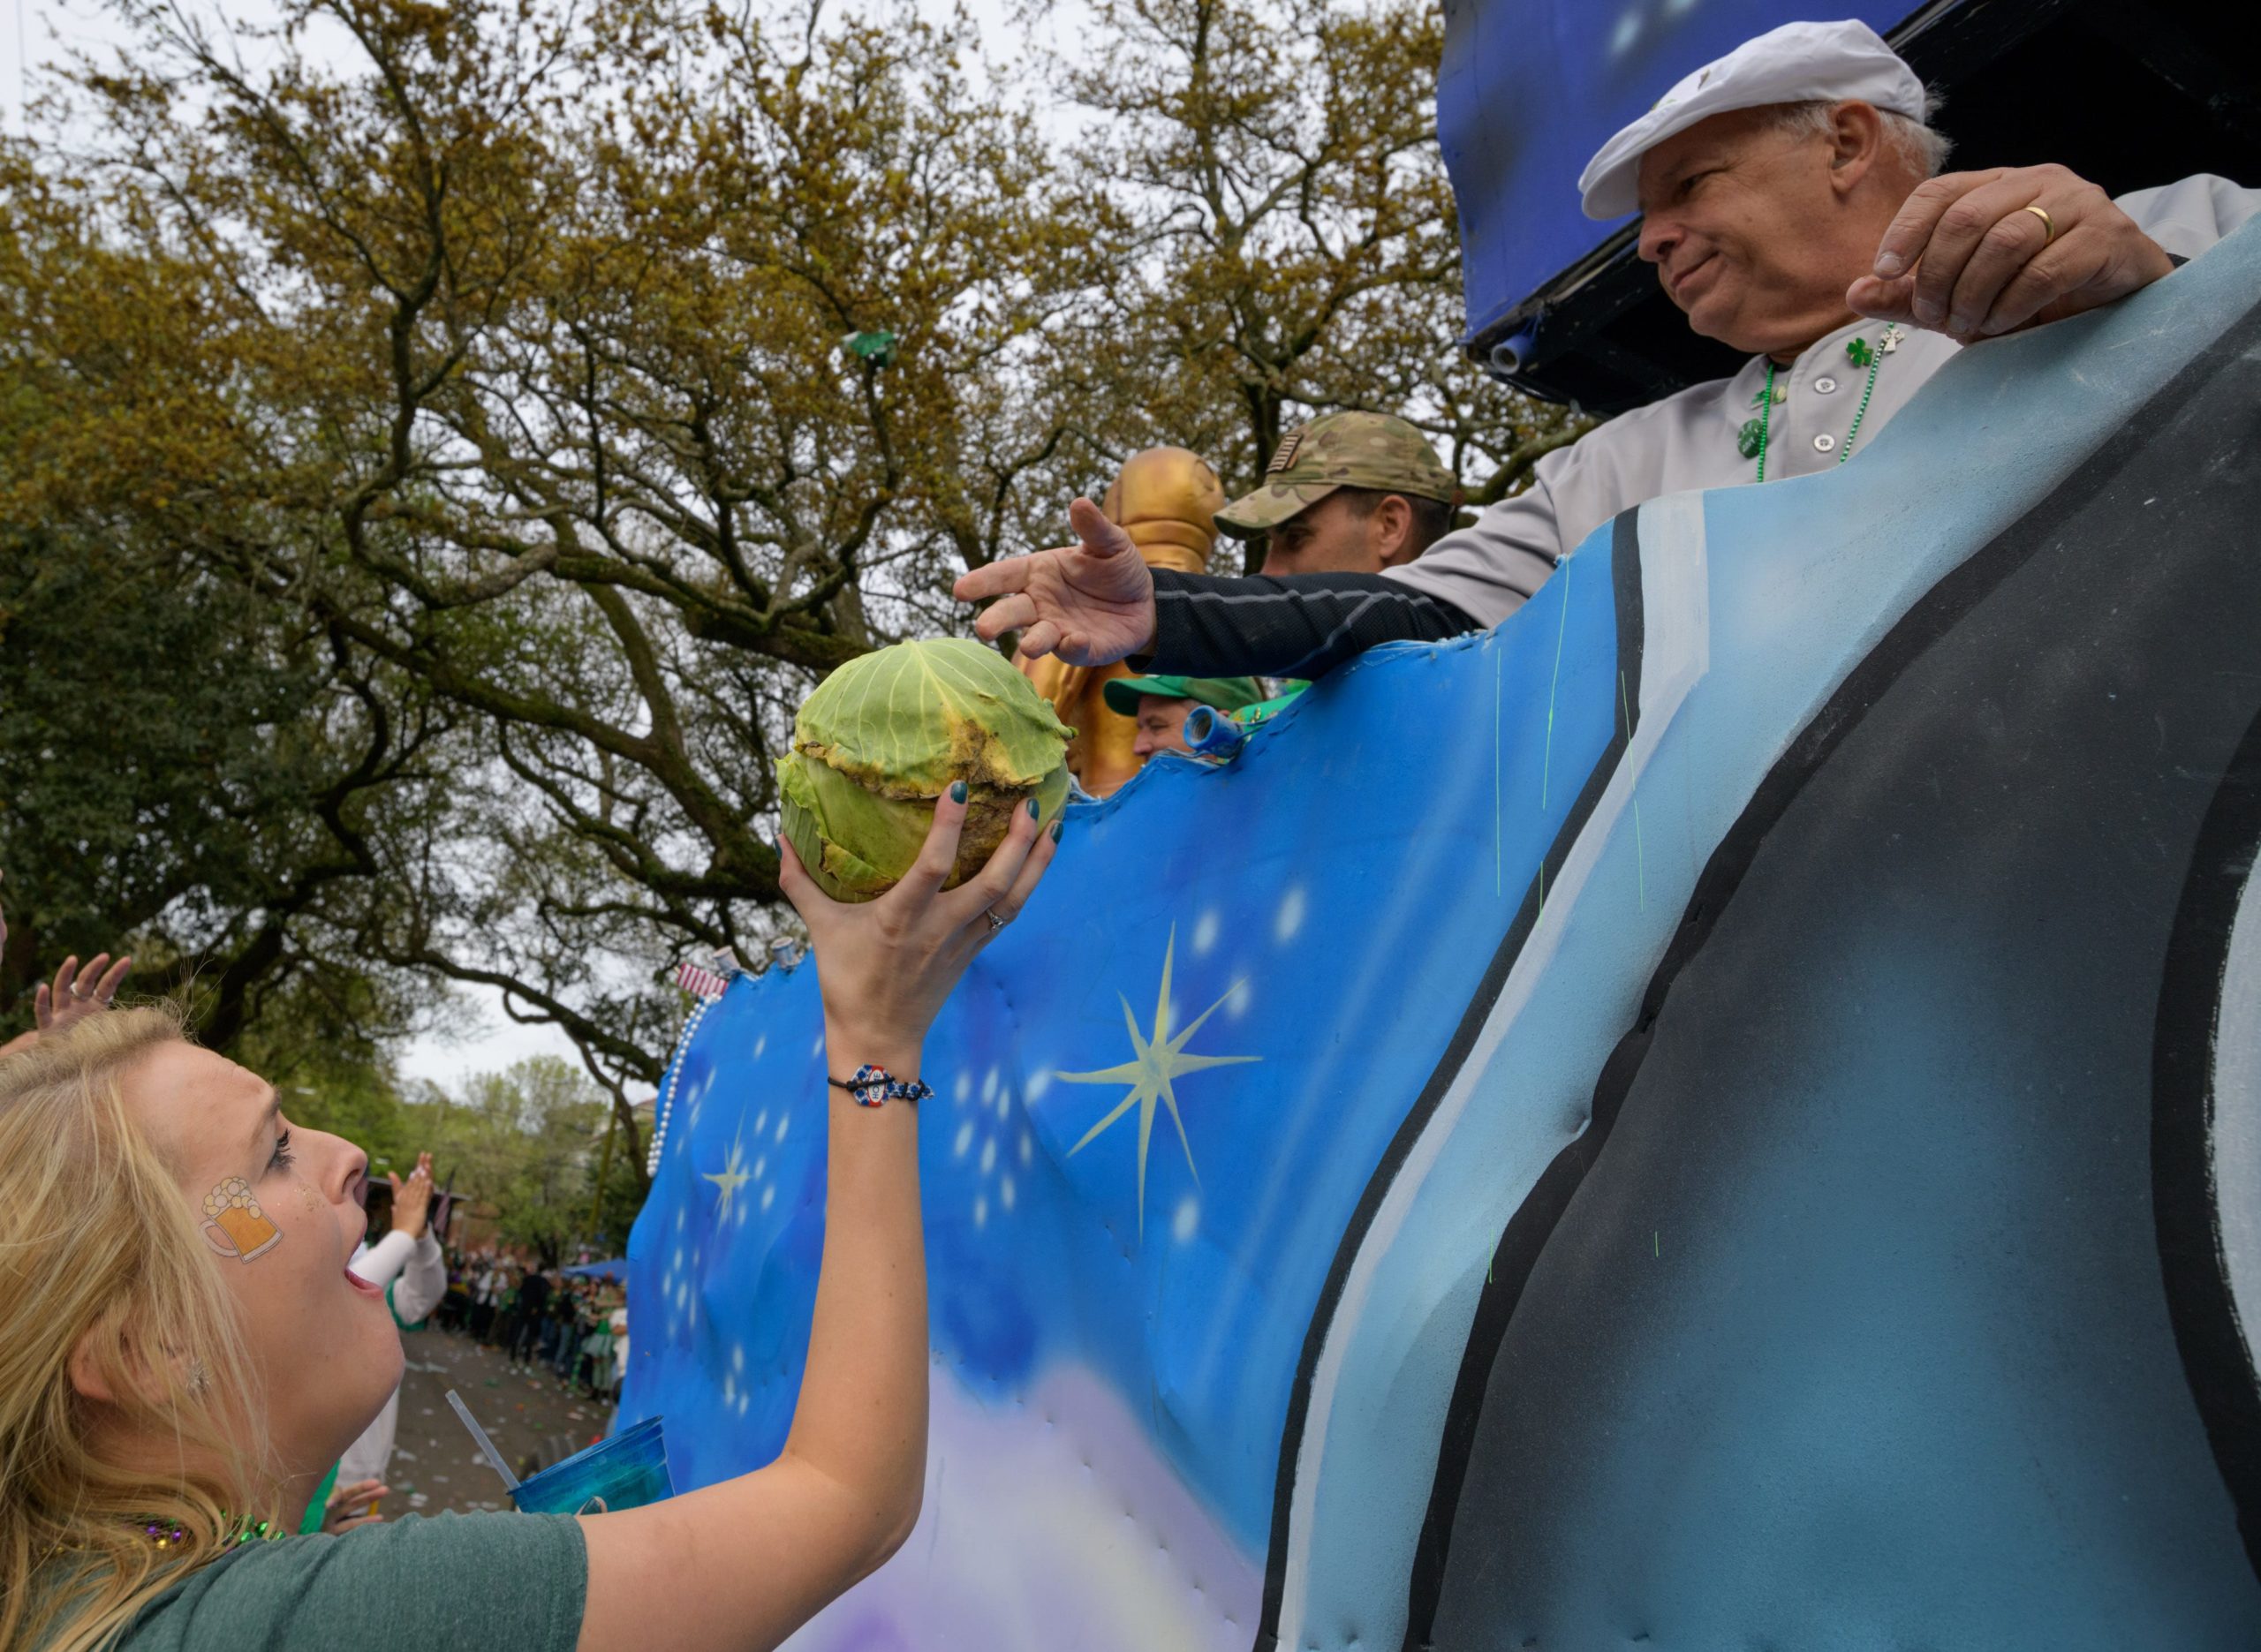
[
  {"x": 730, "y": 1178},
  {"x": 1161, "y": 1061}
]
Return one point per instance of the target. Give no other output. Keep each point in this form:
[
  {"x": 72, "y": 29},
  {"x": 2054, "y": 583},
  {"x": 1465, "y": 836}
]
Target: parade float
[{"x": 1724, "y": 1111}]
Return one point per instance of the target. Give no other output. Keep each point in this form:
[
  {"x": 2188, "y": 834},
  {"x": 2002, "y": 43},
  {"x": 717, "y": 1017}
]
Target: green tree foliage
[
  {"x": 526, "y": 1142},
  {"x": 1298, "y": 247},
  {"x": 174, "y": 770},
  {"x": 454, "y": 400}
]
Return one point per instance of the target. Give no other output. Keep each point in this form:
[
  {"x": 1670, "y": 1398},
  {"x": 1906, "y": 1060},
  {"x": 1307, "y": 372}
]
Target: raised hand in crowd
[
  {"x": 1091, "y": 603},
  {"x": 1973, "y": 254},
  {"x": 75, "y": 993},
  {"x": 353, "y": 1506},
  {"x": 79, "y": 992},
  {"x": 412, "y": 1200}
]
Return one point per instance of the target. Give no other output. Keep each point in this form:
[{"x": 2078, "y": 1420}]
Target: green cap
[
  {"x": 1372, "y": 450},
  {"x": 1264, "y": 710},
  {"x": 1224, "y": 694}
]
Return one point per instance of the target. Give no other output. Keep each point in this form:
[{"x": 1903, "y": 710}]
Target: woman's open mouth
[{"x": 362, "y": 1284}]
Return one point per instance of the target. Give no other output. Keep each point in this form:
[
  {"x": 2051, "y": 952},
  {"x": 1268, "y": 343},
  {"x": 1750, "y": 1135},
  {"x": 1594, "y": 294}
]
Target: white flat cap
[{"x": 1799, "y": 63}]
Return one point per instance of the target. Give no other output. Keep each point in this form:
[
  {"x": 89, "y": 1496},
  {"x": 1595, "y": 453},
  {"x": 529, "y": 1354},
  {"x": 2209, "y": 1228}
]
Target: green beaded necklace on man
[{"x": 1750, "y": 441}]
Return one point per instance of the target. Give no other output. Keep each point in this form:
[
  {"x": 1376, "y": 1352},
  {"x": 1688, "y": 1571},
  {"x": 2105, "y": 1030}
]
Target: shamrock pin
[
  {"x": 1752, "y": 438},
  {"x": 1859, "y": 351}
]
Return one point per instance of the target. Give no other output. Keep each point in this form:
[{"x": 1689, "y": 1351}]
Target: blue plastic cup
[{"x": 624, "y": 1471}]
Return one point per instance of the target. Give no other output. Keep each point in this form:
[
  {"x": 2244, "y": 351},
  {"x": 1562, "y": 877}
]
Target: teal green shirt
[{"x": 501, "y": 1582}]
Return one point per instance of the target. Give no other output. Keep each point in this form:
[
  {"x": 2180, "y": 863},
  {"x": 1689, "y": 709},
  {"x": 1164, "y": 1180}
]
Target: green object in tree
[
  {"x": 876, "y": 347},
  {"x": 884, "y": 735}
]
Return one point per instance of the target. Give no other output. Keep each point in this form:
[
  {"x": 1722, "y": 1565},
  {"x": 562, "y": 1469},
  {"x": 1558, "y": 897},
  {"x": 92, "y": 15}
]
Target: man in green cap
[
  {"x": 1347, "y": 494},
  {"x": 1159, "y": 705}
]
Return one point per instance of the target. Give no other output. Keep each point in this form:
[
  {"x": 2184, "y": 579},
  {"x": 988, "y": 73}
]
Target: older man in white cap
[{"x": 1789, "y": 203}]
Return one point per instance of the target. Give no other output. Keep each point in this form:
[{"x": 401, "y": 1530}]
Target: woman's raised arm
[{"x": 740, "y": 1565}]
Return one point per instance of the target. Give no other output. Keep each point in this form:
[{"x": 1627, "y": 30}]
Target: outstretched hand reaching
[{"x": 1091, "y": 603}]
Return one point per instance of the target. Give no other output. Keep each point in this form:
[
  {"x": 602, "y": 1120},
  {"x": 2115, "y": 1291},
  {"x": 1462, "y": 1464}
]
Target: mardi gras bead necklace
[
  {"x": 666, "y": 1109},
  {"x": 1752, "y": 440},
  {"x": 170, "y": 1534}
]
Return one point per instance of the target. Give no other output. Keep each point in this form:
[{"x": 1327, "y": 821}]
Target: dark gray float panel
[{"x": 1856, "y": 1333}]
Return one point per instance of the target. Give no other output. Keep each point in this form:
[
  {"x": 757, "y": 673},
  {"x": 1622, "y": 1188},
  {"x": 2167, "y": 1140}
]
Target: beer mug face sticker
[{"x": 234, "y": 1225}]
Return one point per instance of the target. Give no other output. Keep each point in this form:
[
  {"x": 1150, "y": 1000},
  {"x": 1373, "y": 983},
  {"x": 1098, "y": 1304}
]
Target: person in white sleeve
[{"x": 408, "y": 1265}]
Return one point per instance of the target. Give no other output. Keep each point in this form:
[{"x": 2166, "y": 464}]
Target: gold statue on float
[{"x": 1167, "y": 499}]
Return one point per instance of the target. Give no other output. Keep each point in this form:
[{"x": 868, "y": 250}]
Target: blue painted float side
[
  {"x": 1329, "y": 928},
  {"x": 1760, "y": 603}
]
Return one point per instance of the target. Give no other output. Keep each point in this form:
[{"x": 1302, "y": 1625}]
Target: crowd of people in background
[{"x": 543, "y": 1320}]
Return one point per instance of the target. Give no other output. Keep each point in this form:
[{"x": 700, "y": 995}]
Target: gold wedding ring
[{"x": 2048, "y": 223}]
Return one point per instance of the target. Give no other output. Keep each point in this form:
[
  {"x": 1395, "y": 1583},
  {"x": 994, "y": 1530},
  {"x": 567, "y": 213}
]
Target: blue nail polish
[
  {"x": 958, "y": 791},
  {"x": 1032, "y": 808},
  {"x": 1057, "y": 824}
]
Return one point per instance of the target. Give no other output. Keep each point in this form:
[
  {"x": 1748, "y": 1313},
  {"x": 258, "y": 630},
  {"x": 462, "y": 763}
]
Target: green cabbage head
[{"x": 885, "y": 735}]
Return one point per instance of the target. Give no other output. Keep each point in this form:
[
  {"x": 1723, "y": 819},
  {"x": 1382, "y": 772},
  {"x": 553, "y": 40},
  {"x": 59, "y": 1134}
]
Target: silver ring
[
  {"x": 75, "y": 993},
  {"x": 995, "y": 923}
]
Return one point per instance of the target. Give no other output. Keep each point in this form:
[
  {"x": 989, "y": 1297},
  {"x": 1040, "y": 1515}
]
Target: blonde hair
[{"x": 98, "y": 1247}]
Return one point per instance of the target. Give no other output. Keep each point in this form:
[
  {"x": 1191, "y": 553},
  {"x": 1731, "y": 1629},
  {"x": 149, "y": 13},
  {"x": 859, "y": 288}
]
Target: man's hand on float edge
[
  {"x": 1090, "y": 603},
  {"x": 1967, "y": 258}
]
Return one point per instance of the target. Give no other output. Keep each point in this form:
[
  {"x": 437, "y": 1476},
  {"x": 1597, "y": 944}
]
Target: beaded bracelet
[{"x": 873, "y": 1085}]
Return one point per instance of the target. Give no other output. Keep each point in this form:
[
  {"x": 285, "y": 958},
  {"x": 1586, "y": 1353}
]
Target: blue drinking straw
[{"x": 478, "y": 1437}]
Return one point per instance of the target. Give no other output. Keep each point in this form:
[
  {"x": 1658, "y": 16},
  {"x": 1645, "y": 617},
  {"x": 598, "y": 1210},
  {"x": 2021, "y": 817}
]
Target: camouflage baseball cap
[{"x": 1374, "y": 451}]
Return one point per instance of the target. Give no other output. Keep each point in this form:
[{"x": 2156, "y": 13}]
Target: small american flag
[{"x": 700, "y": 982}]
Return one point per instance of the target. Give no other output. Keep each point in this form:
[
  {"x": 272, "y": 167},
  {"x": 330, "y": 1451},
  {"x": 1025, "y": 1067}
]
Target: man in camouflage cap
[{"x": 1347, "y": 494}]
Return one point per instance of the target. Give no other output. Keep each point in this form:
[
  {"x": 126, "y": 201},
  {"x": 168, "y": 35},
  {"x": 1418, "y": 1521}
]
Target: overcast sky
[{"x": 38, "y": 30}]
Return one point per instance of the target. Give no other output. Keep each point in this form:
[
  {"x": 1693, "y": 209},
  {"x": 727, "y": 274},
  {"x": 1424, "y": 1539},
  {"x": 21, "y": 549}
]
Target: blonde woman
[{"x": 184, "y": 1353}]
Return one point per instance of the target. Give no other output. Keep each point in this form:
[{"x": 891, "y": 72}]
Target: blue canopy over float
[
  {"x": 1514, "y": 145},
  {"x": 616, "y": 1270}
]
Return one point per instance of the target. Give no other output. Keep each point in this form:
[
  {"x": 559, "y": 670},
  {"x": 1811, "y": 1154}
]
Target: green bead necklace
[
  {"x": 168, "y": 1534},
  {"x": 1753, "y": 438}
]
